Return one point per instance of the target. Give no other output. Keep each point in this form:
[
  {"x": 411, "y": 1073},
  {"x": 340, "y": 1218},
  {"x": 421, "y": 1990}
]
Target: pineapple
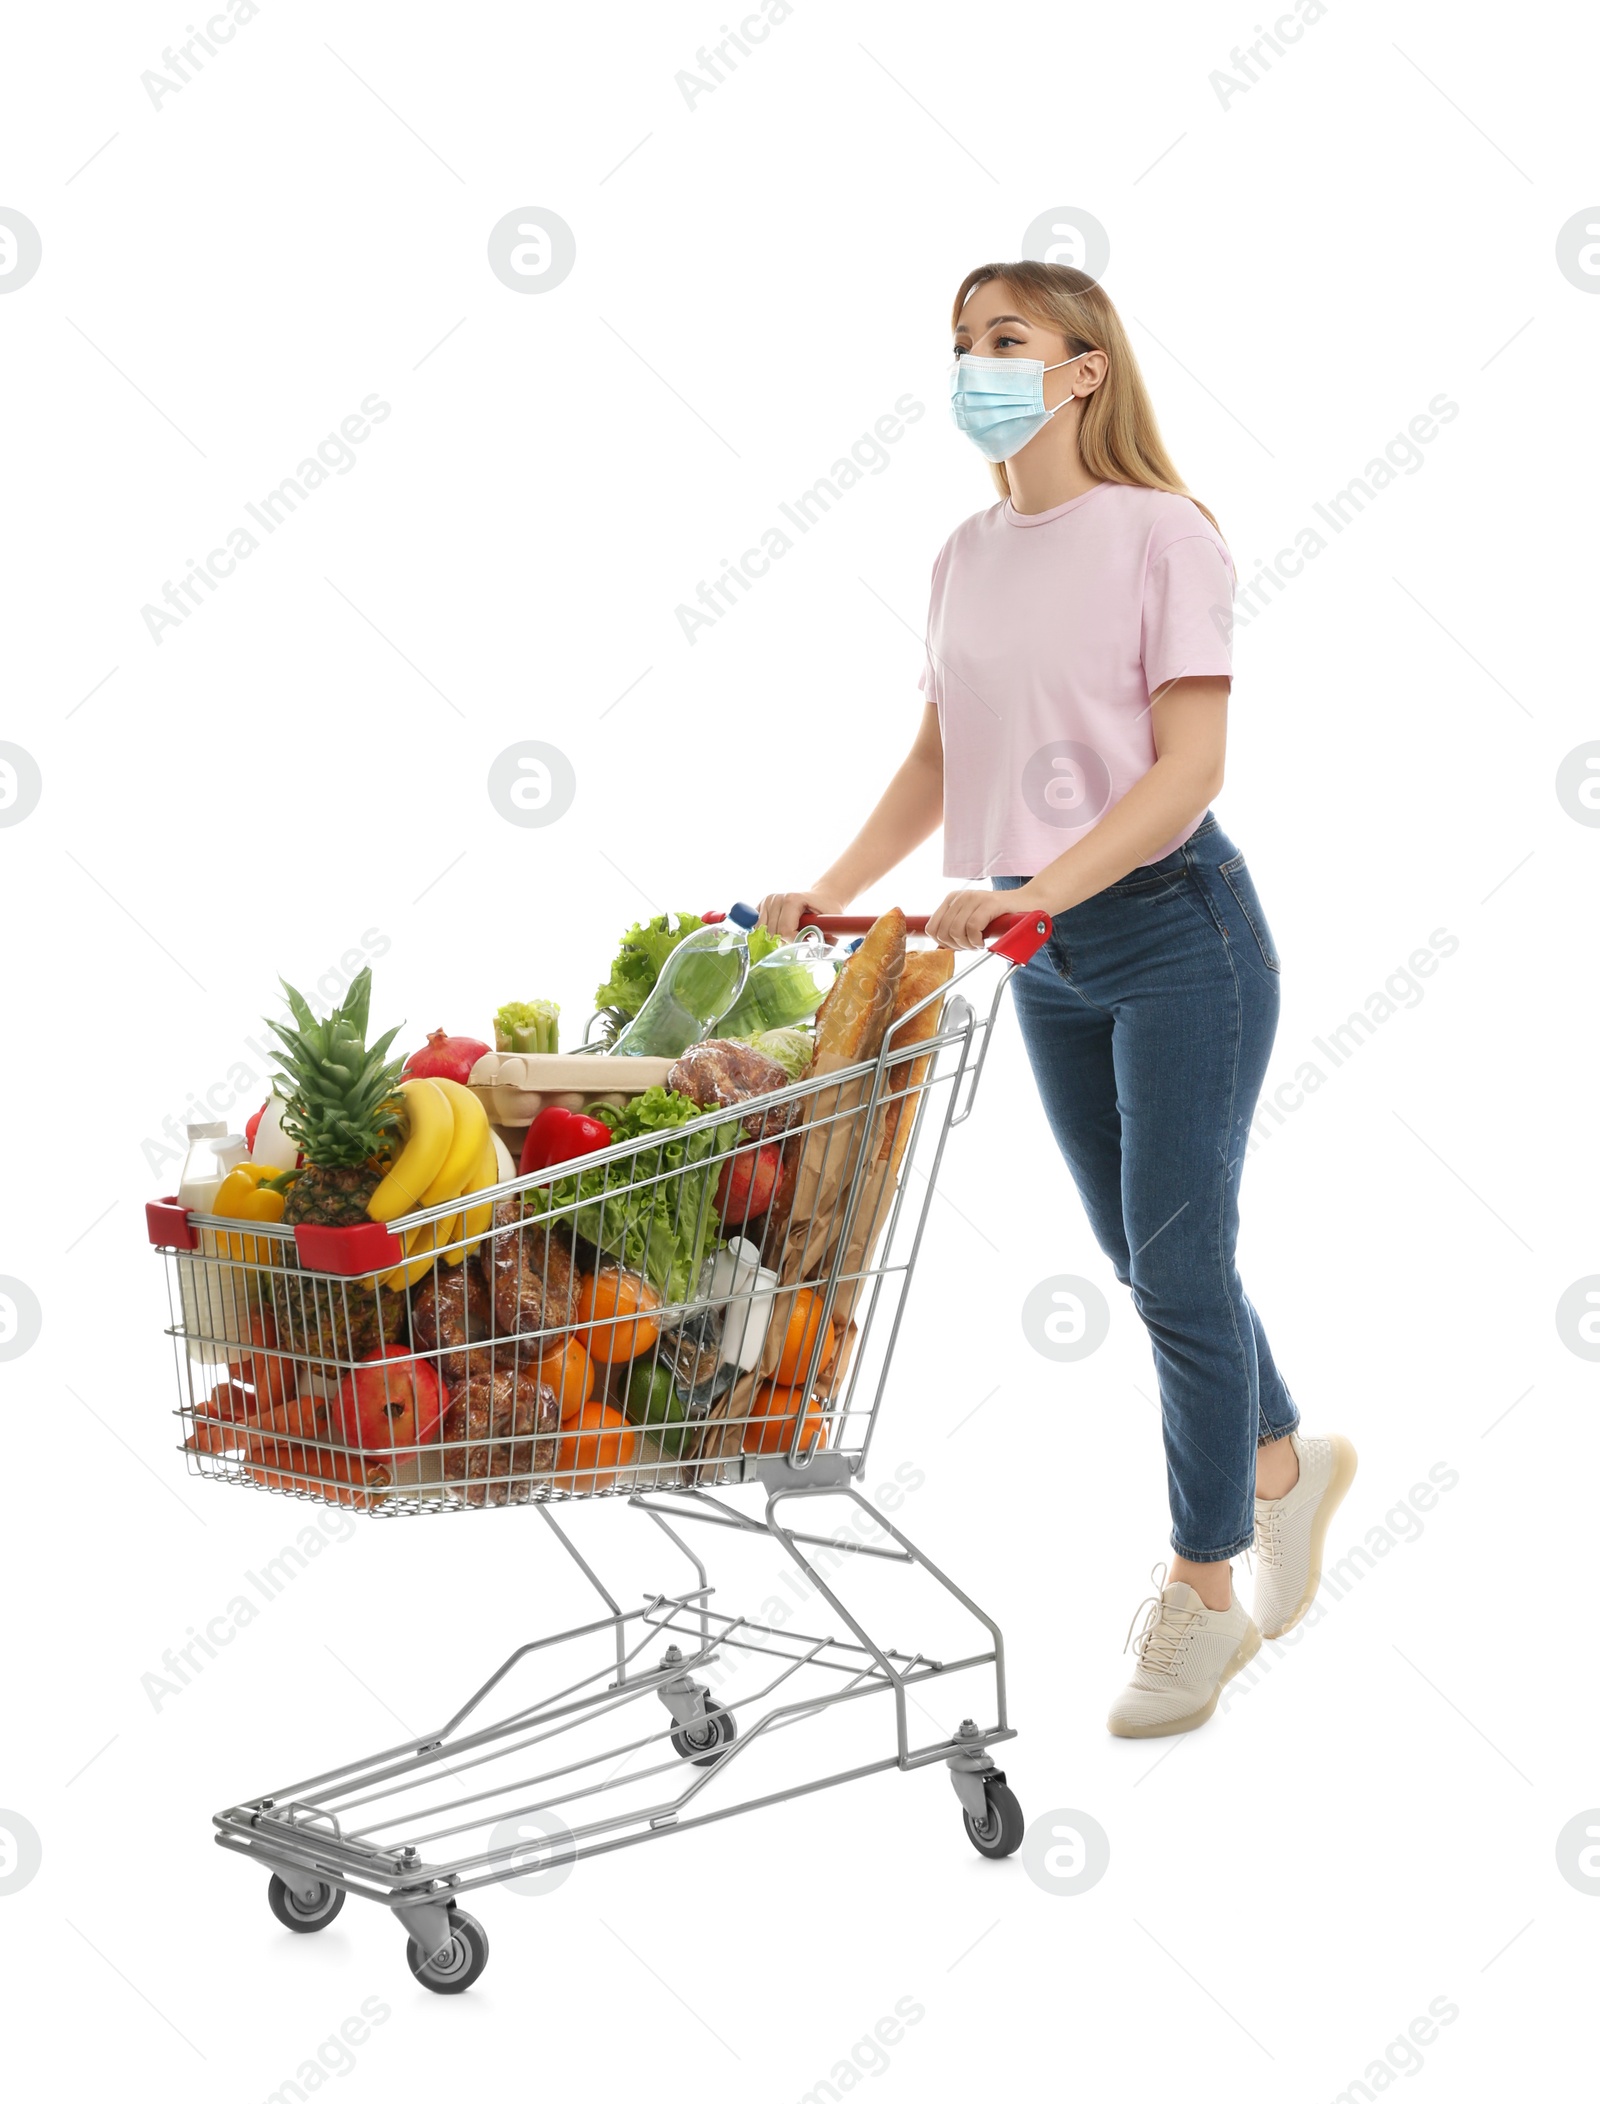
[
  {"x": 341, "y": 1108},
  {"x": 331, "y": 1197}
]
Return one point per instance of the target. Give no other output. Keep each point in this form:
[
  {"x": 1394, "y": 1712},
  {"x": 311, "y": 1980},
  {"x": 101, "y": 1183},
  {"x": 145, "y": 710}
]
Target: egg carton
[{"x": 514, "y": 1087}]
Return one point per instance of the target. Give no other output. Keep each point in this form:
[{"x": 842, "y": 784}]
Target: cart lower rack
[{"x": 646, "y": 1719}]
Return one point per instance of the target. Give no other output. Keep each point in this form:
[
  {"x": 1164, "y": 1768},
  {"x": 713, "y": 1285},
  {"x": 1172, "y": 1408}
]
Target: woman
[{"x": 1077, "y": 684}]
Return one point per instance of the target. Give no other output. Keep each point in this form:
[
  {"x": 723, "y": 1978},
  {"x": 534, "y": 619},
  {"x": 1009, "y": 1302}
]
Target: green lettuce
[
  {"x": 662, "y": 1230},
  {"x": 637, "y": 965},
  {"x": 791, "y": 1048}
]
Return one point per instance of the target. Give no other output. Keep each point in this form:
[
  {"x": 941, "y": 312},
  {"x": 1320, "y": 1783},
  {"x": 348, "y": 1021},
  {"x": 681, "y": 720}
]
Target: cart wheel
[
  {"x": 454, "y": 1971},
  {"x": 1000, "y": 1832},
  {"x": 293, "y": 1912},
  {"x": 702, "y": 1743}
]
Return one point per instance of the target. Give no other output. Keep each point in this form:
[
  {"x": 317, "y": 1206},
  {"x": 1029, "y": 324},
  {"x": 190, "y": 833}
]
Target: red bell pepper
[{"x": 558, "y": 1135}]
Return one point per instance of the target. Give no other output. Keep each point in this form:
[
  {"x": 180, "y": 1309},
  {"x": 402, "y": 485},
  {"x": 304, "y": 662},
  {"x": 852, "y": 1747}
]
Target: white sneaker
[
  {"x": 1290, "y": 1532},
  {"x": 1188, "y": 1652}
]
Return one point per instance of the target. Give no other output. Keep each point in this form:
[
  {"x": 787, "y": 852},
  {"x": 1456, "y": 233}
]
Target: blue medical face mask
[{"x": 999, "y": 402}]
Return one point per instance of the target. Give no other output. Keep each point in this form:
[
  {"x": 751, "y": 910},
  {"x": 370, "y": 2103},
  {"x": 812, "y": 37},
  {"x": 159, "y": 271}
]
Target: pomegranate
[
  {"x": 453, "y": 1058},
  {"x": 390, "y": 1404}
]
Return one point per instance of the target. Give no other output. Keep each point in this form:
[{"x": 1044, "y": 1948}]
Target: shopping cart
[{"x": 770, "y": 1371}]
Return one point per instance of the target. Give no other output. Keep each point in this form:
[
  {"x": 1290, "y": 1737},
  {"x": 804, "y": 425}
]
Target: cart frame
[
  {"x": 345, "y": 1830},
  {"x": 297, "y": 1833}
]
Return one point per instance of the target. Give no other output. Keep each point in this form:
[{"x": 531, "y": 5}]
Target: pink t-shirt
[{"x": 1047, "y": 635}]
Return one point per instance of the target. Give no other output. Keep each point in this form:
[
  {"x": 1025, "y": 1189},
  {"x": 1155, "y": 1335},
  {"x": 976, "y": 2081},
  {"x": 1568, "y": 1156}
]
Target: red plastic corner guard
[
  {"x": 1028, "y": 933},
  {"x": 348, "y": 1252},
  {"x": 167, "y": 1224}
]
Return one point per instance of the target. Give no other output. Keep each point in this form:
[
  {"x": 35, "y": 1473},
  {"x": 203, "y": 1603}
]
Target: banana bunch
[{"x": 449, "y": 1152}]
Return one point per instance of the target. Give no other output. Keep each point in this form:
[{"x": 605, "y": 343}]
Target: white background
[{"x": 1370, "y": 1825}]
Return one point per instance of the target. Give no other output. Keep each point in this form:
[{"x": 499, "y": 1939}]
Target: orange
[
  {"x": 569, "y": 1371},
  {"x": 802, "y": 1320},
  {"x": 615, "y": 1308},
  {"x": 600, "y": 1439},
  {"x": 771, "y": 1430}
]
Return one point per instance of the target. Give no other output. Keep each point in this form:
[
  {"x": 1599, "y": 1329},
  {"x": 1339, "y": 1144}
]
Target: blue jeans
[{"x": 1148, "y": 1019}]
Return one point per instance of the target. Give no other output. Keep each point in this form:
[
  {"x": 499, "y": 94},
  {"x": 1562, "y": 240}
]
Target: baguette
[
  {"x": 854, "y": 1016},
  {"x": 925, "y": 972},
  {"x": 850, "y": 1026}
]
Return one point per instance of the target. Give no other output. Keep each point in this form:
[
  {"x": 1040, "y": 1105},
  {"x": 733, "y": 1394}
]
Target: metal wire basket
[{"x": 551, "y": 1355}]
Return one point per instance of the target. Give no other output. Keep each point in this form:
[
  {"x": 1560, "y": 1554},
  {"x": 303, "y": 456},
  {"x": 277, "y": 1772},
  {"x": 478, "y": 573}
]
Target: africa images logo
[{"x": 1066, "y": 784}]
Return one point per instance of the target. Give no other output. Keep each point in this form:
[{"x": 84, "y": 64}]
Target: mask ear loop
[{"x": 1055, "y": 369}]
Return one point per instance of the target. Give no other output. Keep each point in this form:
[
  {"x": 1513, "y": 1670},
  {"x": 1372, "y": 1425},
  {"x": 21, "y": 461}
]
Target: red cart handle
[{"x": 1020, "y": 934}]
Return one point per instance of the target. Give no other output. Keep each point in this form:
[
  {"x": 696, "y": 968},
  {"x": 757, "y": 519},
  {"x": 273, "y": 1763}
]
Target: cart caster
[
  {"x": 999, "y": 1832},
  {"x": 453, "y": 1970},
  {"x": 702, "y": 1742},
  {"x": 305, "y": 1917}
]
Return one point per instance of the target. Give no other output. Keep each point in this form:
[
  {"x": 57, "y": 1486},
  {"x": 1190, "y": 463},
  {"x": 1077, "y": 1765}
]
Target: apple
[
  {"x": 746, "y": 1185},
  {"x": 391, "y": 1403}
]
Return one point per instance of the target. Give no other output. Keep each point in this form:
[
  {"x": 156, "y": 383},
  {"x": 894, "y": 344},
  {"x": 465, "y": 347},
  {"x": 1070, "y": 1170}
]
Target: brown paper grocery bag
[
  {"x": 827, "y": 1154},
  {"x": 845, "y": 1129}
]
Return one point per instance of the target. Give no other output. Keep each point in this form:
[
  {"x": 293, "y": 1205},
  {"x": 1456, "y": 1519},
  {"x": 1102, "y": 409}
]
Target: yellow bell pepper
[{"x": 243, "y": 1195}]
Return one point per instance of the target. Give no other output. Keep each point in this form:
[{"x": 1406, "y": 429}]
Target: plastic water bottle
[
  {"x": 699, "y": 983},
  {"x": 787, "y": 985}
]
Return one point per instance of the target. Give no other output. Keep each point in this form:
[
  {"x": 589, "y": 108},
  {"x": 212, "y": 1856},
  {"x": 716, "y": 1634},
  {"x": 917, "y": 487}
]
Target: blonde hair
[{"x": 1119, "y": 439}]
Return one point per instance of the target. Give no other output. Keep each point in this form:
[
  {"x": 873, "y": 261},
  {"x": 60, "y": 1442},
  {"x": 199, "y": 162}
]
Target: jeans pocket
[
  {"x": 1151, "y": 877},
  {"x": 1237, "y": 878}
]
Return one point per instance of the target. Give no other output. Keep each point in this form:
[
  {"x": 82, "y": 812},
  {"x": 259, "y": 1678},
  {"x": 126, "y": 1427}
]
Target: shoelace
[
  {"x": 1159, "y": 1640},
  {"x": 1268, "y": 1542}
]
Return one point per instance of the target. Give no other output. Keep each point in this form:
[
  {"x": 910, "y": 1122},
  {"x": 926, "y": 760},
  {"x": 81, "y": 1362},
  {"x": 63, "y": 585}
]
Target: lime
[{"x": 651, "y": 1400}]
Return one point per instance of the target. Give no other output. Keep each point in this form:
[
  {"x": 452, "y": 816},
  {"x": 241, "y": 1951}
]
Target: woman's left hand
[{"x": 961, "y": 919}]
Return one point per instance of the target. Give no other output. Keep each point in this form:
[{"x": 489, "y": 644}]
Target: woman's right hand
[{"x": 784, "y": 912}]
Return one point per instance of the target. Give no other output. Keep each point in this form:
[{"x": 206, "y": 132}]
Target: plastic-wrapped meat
[
  {"x": 724, "y": 1071},
  {"x": 502, "y": 1424},
  {"x": 451, "y": 1307},
  {"x": 531, "y": 1274}
]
